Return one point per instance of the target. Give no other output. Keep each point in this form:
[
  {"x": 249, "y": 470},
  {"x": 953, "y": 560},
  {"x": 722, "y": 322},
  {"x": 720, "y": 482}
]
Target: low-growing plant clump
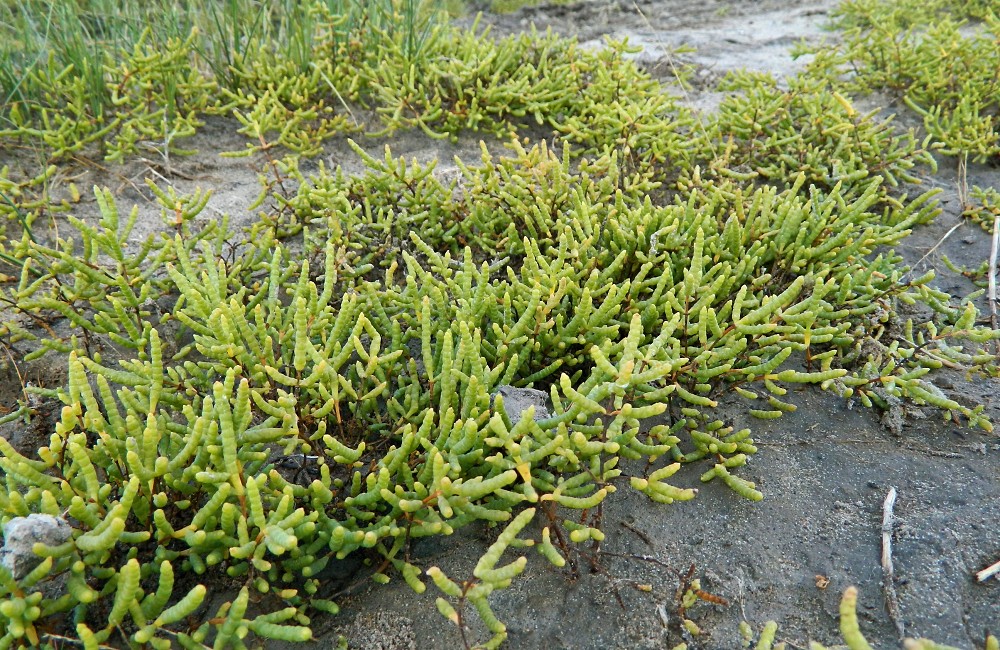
[
  {"x": 244, "y": 408},
  {"x": 941, "y": 59}
]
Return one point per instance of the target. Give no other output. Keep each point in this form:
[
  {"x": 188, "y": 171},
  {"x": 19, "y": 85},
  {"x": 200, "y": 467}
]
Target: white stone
[{"x": 20, "y": 535}]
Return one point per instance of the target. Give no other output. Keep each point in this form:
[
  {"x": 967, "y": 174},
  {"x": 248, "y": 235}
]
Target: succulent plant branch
[{"x": 365, "y": 325}]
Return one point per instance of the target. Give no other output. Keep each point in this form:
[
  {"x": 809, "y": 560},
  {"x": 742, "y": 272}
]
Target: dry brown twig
[{"x": 641, "y": 535}]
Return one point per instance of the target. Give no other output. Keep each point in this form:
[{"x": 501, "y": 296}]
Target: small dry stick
[
  {"x": 888, "y": 577},
  {"x": 937, "y": 245},
  {"x": 643, "y": 536},
  {"x": 963, "y": 181},
  {"x": 988, "y": 572},
  {"x": 993, "y": 271}
]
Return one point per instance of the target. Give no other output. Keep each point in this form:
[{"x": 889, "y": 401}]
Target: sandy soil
[{"x": 824, "y": 469}]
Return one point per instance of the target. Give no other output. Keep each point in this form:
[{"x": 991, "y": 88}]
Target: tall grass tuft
[{"x": 79, "y": 38}]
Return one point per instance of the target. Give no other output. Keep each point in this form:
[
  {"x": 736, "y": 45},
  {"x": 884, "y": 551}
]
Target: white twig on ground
[
  {"x": 993, "y": 272},
  {"x": 661, "y": 609},
  {"x": 935, "y": 246},
  {"x": 888, "y": 575},
  {"x": 988, "y": 572},
  {"x": 963, "y": 181}
]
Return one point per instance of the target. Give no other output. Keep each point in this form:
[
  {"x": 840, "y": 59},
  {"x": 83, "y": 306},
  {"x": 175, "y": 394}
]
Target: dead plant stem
[
  {"x": 988, "y": 572},
  {"x": 888, "y": 575},
  {"x": 993, "y": 271},
  {"x": 938, "y": 244}
]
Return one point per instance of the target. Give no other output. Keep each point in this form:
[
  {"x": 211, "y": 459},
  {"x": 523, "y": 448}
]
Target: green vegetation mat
[{"x": 629, "y": 258}]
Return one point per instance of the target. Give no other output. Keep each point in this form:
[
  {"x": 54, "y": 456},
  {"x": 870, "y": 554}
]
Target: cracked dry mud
[{"x": 824, "y": 470}]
